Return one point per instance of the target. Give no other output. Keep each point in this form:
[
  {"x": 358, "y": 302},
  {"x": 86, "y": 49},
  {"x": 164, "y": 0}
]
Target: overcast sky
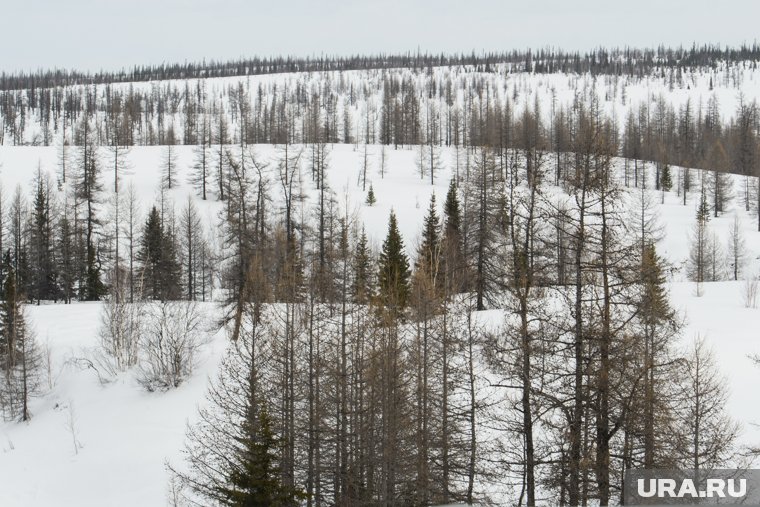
[{"x": 110, "y": 34}]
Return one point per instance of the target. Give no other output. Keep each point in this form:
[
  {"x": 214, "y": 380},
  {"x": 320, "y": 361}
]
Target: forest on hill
[{"x": 528, "y": 339}]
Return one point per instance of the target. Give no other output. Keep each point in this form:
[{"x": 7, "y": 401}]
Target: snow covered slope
[{"x": 90, "y": 444}]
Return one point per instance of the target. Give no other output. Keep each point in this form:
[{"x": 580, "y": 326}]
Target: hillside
[
  {"x": 124, "y": 435},
  {"x": 579, "y": 246}
]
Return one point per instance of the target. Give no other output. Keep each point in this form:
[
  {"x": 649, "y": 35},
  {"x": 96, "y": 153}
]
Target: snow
[
  {"x": 731, "y": 330},
  {"x": 124, "y": 435}
]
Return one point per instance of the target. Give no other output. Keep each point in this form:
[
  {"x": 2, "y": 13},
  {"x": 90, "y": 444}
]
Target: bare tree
[
  {"x": 737, "y": 250},
  {"x": 169, "y": 167},
  {"x": 173, "y": 334},
  {"x": 707, "y": 433},
  {"x": 121, "y": 327}
]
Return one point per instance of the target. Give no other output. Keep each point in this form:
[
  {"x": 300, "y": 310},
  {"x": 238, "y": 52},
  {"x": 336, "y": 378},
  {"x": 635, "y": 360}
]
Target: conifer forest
[{"x": 414, "y": 279}]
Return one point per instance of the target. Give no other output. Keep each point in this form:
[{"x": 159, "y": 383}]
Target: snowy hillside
[
  {"x": 531, "y": 333},
  {"x": 93, "y": 444}
]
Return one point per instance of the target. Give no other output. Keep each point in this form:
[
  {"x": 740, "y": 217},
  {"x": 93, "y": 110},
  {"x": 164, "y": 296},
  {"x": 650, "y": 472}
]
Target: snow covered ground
[{"x": 90, "y": 444}]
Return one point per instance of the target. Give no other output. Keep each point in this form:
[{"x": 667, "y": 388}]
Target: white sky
[{"x": 111, "y": 34}]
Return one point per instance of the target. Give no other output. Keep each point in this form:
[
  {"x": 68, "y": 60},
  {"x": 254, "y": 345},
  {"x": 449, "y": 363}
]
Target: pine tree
[
  {"x": 371, "y": 200},
  {"x": 256, "y": 480},
  {"x": 235, "y": 451},
  {"x": 452, "y": 261},
  {"x": 87, "y": 190},
  {"x": 9, "y": 318},
  {"x": 703, "y": 210},
  {"x": 20, "y": 359},
  {"x": 44, "y": 284},
  {"x": 393, "y": 274},
  {"x": 362, "y": 288},
  {"x": 161, "y": 271},
  {"x": 666, "y": 181},
  {"x": 428, "y": 254}
]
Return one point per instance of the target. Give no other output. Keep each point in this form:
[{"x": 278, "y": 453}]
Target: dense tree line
[{"x": 630, "y": 61}]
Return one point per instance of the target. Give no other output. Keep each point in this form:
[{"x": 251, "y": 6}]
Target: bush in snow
[
  {"x": 121, "y": 325},
  {"x": 172, "y": 335}
]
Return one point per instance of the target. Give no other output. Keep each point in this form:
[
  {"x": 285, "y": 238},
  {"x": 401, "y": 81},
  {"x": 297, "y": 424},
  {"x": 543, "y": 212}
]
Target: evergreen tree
[
  {"x": 9, "y": 321},
  {"x": 66, "y": 248},
  {"x": 655, "y": 299},
  {"x": 427, "y": 263},
  {"x": 235, "y": 451},
  {"x": 666, "y": 181},
  {"x": 44, "y": 284},
  {"x": 19, "y": 241},
  {"x": 451, "y": 208},
  {"x": 362, "y": 289},
  {"x": 161, "y": 271},
  {"x": 393, "y": 274},
  {"x": 658, "y": 325},
  {"x": 371, "y": 200},
  {"x": 703, "y": 209},
  {"x": 452, "y": 261},
  {"x": 256, "y": 480},
  {"x": 20, "y": 359},
  {"x": 87, "y": 189},
  {"x": 150, "y": 256}
]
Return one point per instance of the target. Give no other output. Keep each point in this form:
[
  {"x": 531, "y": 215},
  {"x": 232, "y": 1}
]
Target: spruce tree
[
  {"x": 20, "y": 359},
  {"x": 666, "y": 181},
  {"x": 255, "y": 480},
  {"x": 362, "y": 289},
  {"x": 428, "y": 255},
  {"x": 452, "y": 261},
  {"x": 451, "y": 208},
  {"x": 158, "y": 256},
  {"x": 44, "y": 284},
  {"x": 703, "y": 210},
  {"x": 87, "y": 188},
  {"x": 699, "y": 252},
  {"x": 393, "y": 275},
  {"x": 65, "y": 245},
  {"x": 657, "y": 324},
  {"x": 235, "y": 450},
  {"x": 371, "y": 200},
  {"x": 9, "y": 306}
]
